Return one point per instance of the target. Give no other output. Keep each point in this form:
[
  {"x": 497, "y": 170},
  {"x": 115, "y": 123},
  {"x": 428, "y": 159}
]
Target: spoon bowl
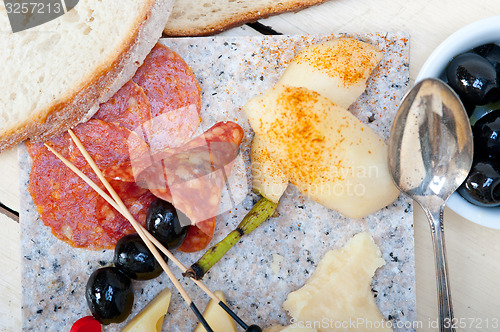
[
  {"x": 430, "y": 149},
  {"x": 430, "y": 155}
]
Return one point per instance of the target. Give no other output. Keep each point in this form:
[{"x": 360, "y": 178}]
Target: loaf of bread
[
  {"x": 206, "y": 17},
  {"x": 56, "y": 74}
]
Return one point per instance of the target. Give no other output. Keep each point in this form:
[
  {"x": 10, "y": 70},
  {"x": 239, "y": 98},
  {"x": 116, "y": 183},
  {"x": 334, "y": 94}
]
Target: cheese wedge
[
  {"x": 216, "y": 317},
  {"x": 268, "y": 178},
  {"x": 337, "y": 69},
  {"x": 150, "y": 318},
  {"x": 331, "y": 156},
  {"x": 338, "y": 294}
]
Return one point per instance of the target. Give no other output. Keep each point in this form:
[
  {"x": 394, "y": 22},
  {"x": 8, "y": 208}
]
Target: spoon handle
[{"x": 446, "y": 322}]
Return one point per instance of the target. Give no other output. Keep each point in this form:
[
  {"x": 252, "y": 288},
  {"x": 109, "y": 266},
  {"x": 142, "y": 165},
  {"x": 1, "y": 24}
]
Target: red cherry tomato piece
[{"x": 86, "y": 324}]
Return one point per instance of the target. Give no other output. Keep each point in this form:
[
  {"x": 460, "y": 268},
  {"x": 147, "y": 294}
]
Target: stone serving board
[{"x": 231, "y": 70}]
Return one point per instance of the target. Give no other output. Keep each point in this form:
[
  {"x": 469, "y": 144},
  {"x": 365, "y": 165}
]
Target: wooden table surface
[{"x": 473, "y": 251}]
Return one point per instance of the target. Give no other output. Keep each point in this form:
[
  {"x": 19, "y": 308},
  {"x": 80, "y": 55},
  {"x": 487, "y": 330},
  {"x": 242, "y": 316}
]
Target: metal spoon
[{"x": 430, "y": 155}]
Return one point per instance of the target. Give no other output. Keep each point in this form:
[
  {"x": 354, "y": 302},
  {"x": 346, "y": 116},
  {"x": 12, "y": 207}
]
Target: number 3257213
[{"x": 33, "y": 8}]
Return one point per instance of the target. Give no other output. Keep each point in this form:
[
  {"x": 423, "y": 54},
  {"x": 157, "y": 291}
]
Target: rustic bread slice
[
  {"x": 56, "y": 75},
  {"x": 206, "y": 17}
]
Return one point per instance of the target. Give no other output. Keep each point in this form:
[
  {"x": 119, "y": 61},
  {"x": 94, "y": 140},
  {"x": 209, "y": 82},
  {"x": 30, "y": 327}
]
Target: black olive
[
  {"x": 109, "y": 295},
  {"x": 482, "y": 185},
  {"x": 469, "y": 108},
  {"x": 473, "y": 78},
  {"x": 486, "y": 133},
  {"x": 482, "y": 110},
  {"x": 490, "y": 52},
  {"x": 166, "y": 224},
  {"x": 133, "y": 258}
]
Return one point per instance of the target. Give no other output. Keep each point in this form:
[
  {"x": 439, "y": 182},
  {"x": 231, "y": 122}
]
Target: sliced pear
[
  {"x": 340, "y": 290},
  {"x": 337, "y": 69},
  {"x": 216, "y": 317},
  {"x": 331, "y": 156},
  {"x": 150, "y": 319},
  {"x": 268, "y": 178}
]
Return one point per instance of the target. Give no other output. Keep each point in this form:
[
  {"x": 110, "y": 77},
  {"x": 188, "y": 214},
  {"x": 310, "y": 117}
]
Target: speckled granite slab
[{"x": 230, "y": 71}]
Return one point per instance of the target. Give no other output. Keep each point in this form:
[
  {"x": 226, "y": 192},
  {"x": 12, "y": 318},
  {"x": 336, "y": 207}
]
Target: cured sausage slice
[
  {"x": 162, "y": 105},
  {"x": 169, "y": 130},
  {"x": 173, "y": 91},
  {"x": 168, "y": 81},
  {"x": 75, "y": 213},
  {"x": 129, "y": 107},
  {"x": 173, "y": 97},
  {"x": 112, "y": 147},
  {"x": 192, "y": 176},
  {"x": 162, "y": 133},
  {"x": 196, "y": 240}
]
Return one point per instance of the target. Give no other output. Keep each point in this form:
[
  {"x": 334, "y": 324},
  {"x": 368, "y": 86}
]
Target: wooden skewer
[
  {"x": 135, "y": 224},
  {"x": 138, "y": 228},
  {"x": 108, "y": 199}
]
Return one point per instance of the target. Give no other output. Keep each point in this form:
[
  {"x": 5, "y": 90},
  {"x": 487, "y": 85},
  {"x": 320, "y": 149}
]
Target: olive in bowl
[
  {"x": 482, "y": 186},
  {"x": 481, "y": 39},
  {"x": 486, "y": 132},
  {"x": 490, "y": 52},
  {"x": 473, "y": 78},
  {"x": 109, "y": 295}
]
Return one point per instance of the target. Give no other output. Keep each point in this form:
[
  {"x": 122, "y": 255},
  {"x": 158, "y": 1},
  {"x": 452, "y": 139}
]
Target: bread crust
[
  {"x": 83, "y": 101},
  {"x": 173, "y": 29}
]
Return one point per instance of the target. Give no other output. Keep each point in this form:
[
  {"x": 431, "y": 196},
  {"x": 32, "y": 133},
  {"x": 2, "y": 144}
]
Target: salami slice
[
  {"x": 192, "y": 176},
  {"x": 197, "y": 240},
  {"x": 162, "y": 105},
  {"x": 172, "y": 90},
  {"x": 112, "y": 147},
  {"x": 75, "y": 213},
  {"x": 129, "y": 107},
  {"x": 169, "y": 130},
  {"x": 168, "y": 81}
]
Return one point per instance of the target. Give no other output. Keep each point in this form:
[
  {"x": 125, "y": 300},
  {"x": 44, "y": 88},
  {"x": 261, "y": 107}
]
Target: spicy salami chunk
[
  {"x": 174, "y": 95},
  {"x": 168, "y": 81},
  {"x": 113, "y": 148},
  {"x": 129, "y": 107},
  {"x": 197, "y": 240},
  {"x": 192, "y": 176},
  {"x": 75, "y": 213},
  {"x": 169, "y": 130}
]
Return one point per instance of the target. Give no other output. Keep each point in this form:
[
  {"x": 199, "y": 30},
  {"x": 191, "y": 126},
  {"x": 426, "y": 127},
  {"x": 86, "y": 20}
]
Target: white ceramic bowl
[{"x": 478, "y": 33}]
